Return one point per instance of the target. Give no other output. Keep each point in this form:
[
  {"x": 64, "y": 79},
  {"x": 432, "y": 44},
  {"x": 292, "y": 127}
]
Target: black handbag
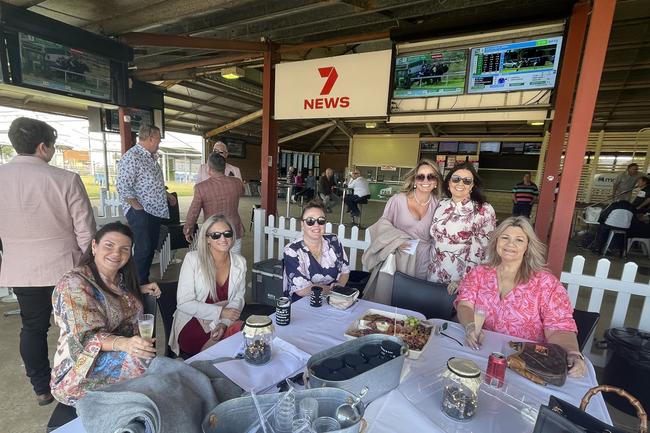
[{"x": 562, "y": 417}]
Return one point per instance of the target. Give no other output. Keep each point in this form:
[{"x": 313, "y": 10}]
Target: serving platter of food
[{"x": 413, "y": 331}]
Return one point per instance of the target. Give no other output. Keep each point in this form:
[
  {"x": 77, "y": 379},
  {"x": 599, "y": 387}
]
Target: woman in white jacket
[{"x": 211, "y": 289}]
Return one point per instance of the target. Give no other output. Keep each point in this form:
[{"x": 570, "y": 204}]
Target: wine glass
[
  {"x": 479, "y": 319},
  {"x": 145, "y": 326}
]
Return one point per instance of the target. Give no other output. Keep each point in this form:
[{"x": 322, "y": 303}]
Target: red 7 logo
[{"x": 332, "y": 76}]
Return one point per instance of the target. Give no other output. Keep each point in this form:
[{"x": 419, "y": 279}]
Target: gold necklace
[{"x": 415, "y": 197}]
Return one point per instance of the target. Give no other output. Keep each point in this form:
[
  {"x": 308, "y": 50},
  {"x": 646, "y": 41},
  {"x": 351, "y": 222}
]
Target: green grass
[{"x": 182, "y": 189}]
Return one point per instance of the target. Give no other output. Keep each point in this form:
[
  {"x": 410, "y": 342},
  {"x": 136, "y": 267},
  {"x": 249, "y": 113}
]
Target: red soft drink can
[{"x": 496, "y": 370}]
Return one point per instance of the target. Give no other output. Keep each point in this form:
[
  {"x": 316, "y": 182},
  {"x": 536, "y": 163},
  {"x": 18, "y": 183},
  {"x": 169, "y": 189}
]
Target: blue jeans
[{"x": 146, "y": 229}]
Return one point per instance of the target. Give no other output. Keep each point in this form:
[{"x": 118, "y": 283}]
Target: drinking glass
[
  {"x": 308, "y": 408},
  {"x": 145, "y": 326},
  {"x": 479, "y": 319},
  {"x": 325, "y": 424}
]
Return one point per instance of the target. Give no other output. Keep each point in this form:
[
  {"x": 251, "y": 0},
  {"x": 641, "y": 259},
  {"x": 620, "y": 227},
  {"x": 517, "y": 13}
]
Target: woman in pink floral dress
[
  {"x": 460, "y": 228},
  {"x": 513, "y": 293}
]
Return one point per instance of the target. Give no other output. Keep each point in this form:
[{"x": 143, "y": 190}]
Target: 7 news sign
[{"x": 354, "y": 85}]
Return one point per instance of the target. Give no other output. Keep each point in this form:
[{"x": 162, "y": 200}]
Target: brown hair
[{"x": 409, "y": 179}]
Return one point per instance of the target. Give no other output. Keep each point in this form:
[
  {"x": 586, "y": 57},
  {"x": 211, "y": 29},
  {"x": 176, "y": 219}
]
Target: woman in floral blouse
[
  {"x": 460, "y": 228},
  {"x": 515, "y": 295},
  {"x": 315, "y": 260},
  {"x": 97, "y": 306}
]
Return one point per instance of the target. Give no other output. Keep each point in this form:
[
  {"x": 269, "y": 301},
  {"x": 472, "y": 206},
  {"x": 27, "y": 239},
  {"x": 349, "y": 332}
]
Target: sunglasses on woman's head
[
  {"x": 466, "y": 180},
  {"x": 428, "y": 177},
  {"x": 310, "y": 221},
  {"x": 217, "y": 235}
]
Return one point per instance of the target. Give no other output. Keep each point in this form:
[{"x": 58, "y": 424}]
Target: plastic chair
[
  {"x": 645, "y": 245},
  {"x": 362, "y": 201},
  {"x": 586, "y": 322},
  {"x": 620, "y": 221},
  {"x": 428, "y": 298}
]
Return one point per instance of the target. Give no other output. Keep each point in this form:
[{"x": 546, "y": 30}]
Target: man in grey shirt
[{"x": 625, "y": 182}]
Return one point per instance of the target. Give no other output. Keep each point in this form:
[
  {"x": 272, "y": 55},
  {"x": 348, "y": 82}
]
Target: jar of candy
[
  {"x": 460, "y": 390},
  {"x": 258, "y": 336}
]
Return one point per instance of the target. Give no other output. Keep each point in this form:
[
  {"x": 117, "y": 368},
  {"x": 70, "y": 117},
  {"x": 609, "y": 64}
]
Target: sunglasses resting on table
[
  {"x": 310, "y": 221},
  {"x": 217, "y": 235},
  {"x": 466, "y": 180},
  {"x": 429, "y": 177}
]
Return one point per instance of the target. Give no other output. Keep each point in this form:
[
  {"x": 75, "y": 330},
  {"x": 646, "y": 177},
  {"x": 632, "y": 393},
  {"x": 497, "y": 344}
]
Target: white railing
[
  {"x": 109, "y": 203},
  {"x": 623, "y": 313},
  {"x": 269, "y": 240}
]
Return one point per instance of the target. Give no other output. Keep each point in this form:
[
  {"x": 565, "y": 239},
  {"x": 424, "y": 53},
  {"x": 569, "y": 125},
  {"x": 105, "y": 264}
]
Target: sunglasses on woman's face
[
  {"x": 310, "y": 221},
  {"x": 217, "y": 235},
  {"x": 429, "y": 177},
  {"x": 466, "y": 180}
]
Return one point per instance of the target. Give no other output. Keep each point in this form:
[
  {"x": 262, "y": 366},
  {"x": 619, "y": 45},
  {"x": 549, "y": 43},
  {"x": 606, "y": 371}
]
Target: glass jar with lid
[
  {"x": 461, "y": 383},
  {"x": 258, "y": 336}
]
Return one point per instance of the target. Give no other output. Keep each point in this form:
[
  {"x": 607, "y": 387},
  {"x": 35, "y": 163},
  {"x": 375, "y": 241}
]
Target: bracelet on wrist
[{"x": 115, "y": 341}]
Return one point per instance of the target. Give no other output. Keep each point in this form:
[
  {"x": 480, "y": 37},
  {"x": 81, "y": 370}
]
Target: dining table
[{"x": 412, "y": 406}]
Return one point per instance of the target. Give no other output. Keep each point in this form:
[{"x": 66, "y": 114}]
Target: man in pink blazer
[{"x": 46, "y": 222}]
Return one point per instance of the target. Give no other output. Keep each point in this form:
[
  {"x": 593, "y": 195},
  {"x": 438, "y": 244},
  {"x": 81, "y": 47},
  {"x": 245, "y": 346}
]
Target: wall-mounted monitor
[
  {"x": 448, "y": 147},
  {"x": 515, "y": 66},
  {"x": 427, "y": 145},
  {"x": 111, "y": 119},
  {"x": 490, "y": 147},
  {"x": 51, "y": 66},
  {"x": 533, "y": 148},
  {"x": 433, "y": 73},
  {"x": 512, "y": 148},
  {"x": 467, "y": 147}
]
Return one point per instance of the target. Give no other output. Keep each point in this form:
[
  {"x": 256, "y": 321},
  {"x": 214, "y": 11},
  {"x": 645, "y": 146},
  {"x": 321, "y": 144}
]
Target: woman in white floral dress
[
  {"x": 318, "y": 259},
  {"x": 460, "y": 228}
]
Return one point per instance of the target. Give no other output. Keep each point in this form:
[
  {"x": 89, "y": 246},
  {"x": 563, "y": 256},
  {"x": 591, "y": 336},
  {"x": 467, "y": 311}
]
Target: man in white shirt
[
  {"x": 625, "y": 182},
  {"x": 361, "y": 192},
  {"x": 231, "y": 170}
]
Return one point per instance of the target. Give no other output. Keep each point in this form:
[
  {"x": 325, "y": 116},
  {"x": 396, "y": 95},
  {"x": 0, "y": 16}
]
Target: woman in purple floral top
[
  {"x": 315, "y": 260},
  {"x": 460, "y": 228}
]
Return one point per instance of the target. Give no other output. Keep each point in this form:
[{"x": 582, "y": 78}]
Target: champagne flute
[
  {"x": 145, "y": 327},
  {"x": 479, "y": 319}
]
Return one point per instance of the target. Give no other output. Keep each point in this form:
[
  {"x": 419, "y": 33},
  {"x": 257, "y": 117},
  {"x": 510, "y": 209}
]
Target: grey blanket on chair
[{"x": 170, "y": 397}]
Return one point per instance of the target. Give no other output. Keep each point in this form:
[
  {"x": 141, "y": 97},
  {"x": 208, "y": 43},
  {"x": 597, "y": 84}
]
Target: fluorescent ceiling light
[
  {"x": 371, "y": 125},
  {"x": 536, "y": 123},
  {"x": 232, "y": 73}
]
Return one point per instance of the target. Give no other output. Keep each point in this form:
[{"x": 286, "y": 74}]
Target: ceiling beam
[
  {"x": 342, "y": 40},
  {"x": 191, "y": 42},
  {"x": 202, "y": 63},
  {"x": 194, "y": 110},
  {"x": 201, "y": 102},
  {"x": 322, "y": 138},
  {"x": 221, "y": 94},
  {"x": 304, "y": 132},
  {"x": 242, "y": 120},
  {"x": 344, "y": 129}
]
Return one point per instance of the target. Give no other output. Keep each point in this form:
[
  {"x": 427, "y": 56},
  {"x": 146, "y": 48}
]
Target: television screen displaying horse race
[
  {"x": 57, "y": 67},
  {"x": 515, "y": 66},
  {"x": 434, "y": 73}
]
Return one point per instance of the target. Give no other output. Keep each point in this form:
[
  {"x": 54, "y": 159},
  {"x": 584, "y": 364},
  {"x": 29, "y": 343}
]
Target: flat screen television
[
  {"x": 138, "y": 117},
  {"x": 449, "y": 147},
  {"x": 525, "y": 65},
  {"x": 52, "y": 66},
  {"x": 432, "y": 73},
  {"x": 428, "y": 145},
  {"x": 533, "y": 148},
  {"x": 490, "y": 146},
  {"x": 467, "y": 147},
  {"x": 512, "y": 148}
]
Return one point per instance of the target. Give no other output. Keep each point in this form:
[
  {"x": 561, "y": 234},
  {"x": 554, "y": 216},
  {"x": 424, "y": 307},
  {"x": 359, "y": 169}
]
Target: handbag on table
[
  {"x": 562, "y": 417},
  {"x": 542, "y": 363}
]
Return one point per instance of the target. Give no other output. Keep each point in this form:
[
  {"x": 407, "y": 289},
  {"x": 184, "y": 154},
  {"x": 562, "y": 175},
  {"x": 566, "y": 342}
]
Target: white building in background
[{"x": 180, "y": 154}]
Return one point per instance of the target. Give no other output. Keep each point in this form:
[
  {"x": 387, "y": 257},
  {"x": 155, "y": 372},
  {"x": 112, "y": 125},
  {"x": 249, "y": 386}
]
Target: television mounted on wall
[{"x": 428, "y": 74}]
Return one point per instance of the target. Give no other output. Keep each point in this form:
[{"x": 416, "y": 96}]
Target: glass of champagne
[
  {"x": 479, "y": 319},
  {"x": 145, "y": 326}
]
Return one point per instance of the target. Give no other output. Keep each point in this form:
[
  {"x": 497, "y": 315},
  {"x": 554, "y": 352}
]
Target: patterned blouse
[
  {"x": 301, "y": 269},
  {"x": 530, "y": 308},
  {"x": 139, "y": 176},
  {"x": 86, "y": 315},
  {"x": 460, "y": 233}
]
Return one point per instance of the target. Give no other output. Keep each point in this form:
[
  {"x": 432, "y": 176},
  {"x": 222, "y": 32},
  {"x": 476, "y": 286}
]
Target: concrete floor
[{"x": 21, "y": 414}]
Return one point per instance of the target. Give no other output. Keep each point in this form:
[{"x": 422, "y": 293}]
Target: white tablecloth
[{"x": 315, "y": 329}]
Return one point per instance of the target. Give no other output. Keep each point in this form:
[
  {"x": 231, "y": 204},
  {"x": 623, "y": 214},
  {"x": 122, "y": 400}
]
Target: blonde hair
[
  {"x": 409, "y": 179},
  {"x": 535, "y": 256},
  {"x": 206, "y": 264}
]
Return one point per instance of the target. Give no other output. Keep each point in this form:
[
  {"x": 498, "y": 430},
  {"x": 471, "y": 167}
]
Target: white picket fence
[
  {"x": 623, "y": 313},
  {"x": 269, "y": 240}
]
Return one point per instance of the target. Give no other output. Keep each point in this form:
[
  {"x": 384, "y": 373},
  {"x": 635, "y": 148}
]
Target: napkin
[{"x": 286, "y": 360}]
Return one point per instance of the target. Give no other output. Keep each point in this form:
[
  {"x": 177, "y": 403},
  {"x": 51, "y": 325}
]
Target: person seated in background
[
  {"x": 96, "y": 307},
  {"x": 309, "y": 189},
  {"x": 211, "y": 289},
  {"x": 298, "y": 186},
  {"x": 642, "y": 200},
  {"x": 604, "y": 226},
  {"x": 517, "y": 296},
  {"x": 361, "y": 192},
  {"x": 460, "y": 228},
  {"x": 325, "y": 188},
  {"x": 318, "y": 259}
]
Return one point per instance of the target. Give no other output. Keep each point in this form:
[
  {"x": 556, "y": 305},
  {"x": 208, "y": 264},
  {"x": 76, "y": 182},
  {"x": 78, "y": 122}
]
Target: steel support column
[
  {"x": 269, "y": 149},
  {"x": 564, "y": 100},
  {"x": 590, "y": 73}
]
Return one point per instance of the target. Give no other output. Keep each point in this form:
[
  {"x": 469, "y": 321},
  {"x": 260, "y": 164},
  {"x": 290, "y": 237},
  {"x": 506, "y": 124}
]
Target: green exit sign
[{"x": 541, "y": 42}]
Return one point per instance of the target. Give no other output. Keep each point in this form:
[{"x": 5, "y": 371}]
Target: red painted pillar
[
  {"x": 563, "y": 102},
  {"x": 126, "y": 135},
  {"x": 583, "y": 112},
  {"x": 269, "y": 135}
]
